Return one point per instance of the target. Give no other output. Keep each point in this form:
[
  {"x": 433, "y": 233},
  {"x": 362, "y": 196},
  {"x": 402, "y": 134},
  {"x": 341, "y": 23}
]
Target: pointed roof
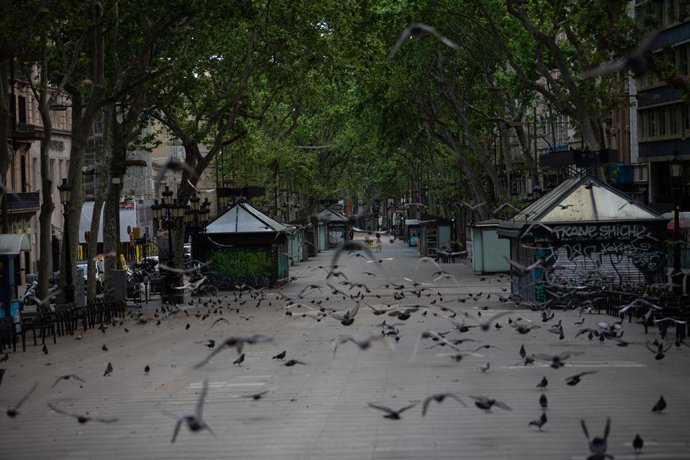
[
  {"x": 577, "y": 201},
  {"x": 244, "y": 218},
  {"x": 586, "y": 199},
  {"x": 331, "y": 215}
]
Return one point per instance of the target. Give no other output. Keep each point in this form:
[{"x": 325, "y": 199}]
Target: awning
[
  {"x": 414, "y": 222},
  {"x": 14, "y": 243},
  {"x": 128, "y": 218}
]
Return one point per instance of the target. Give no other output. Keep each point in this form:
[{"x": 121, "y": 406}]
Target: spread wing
[
  {"x": 607, "y": 429},
  {"x": 218, "y": 321},
  {"x": 502, "y": 405},
  {"x": 200, "y": 403},
  {"x": 105, "y": 420},
  {"x": 209, "y": 357},
  {"x": 385, "y": 409},
  {"x": 26, "y": 396},
  {"x": 451, "y": 395},
  {"x": 427, "y": 401},
  {"x": 406, "y": 408},
  {"x": 61, "y": 411},
  {"x": 177, "y": 430},
  {"x": 584, "y": 428}
]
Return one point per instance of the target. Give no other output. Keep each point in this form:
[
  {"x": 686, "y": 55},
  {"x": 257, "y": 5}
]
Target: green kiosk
[{"x": 11, "y": 245}]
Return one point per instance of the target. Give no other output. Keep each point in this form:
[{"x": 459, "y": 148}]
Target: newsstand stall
[
  {"x": 434, "y": 235},
  {"x": 586, "y": 234},
  {"x": 244, "y": 246},
  {"x": 337, "y": 226}
]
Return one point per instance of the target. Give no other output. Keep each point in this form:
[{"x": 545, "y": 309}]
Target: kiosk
[{"x": 11, "y": 245}]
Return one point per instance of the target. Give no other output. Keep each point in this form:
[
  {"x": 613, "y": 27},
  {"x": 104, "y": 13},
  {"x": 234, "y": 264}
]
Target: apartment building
[
  {"x": 24, "y": 174},
  {"x": 663, "y": 115}
]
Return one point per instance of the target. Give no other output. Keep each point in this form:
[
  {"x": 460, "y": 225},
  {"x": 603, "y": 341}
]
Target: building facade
[{"x": 24, "y": 175}]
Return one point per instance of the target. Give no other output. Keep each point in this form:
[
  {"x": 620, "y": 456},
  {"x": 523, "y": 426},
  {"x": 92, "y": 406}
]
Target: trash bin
[{"x": 119, "y": 285}]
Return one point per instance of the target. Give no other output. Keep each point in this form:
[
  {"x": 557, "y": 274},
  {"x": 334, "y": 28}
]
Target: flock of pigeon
[{"x": 395, "y": 302}]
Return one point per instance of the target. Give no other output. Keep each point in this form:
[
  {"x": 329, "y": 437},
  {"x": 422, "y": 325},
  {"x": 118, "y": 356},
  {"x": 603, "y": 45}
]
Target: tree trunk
[
  {"x": 101, "y": 190},
  {"x": 478, "y": 150},
  {"x": 476, "y": 188},
  {"x": 76, "y": 196},
  {"x": 45, "y": 261},
  {"x": 92, "y": 246},
  {"x": 111, "y": 230}
]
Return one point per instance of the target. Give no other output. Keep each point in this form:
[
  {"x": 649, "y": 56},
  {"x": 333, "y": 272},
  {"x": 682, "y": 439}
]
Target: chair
[
  {"x": 42, "y": 320},
  {"x": 8, "y": 333},
  {"x": 65, "y": 319},
  {"x": 97, "y": 312}
]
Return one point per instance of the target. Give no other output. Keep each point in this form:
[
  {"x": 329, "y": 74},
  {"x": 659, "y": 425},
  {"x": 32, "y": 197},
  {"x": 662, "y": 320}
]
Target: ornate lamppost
[
  {"x": 65, "y": 190},
  {"x": 167, "y": 214},
  {"x": 197, "y": 215},
  {"x": 676, "y": 168}
]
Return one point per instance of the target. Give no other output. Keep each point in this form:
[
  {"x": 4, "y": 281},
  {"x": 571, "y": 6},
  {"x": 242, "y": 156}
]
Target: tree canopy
[{"x": 315, "y": 100}]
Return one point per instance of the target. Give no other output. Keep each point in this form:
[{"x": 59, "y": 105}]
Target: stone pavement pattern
[{"x": 320, "y": 410}]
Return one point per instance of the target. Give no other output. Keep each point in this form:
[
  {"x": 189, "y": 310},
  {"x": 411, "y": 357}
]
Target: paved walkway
[{"x": 319, "y": 410}]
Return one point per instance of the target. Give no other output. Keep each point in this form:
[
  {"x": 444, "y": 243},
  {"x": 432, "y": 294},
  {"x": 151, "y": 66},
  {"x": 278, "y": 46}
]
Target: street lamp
[
  {"x": 167, "y": 214},
  {"x": 676, "y": 168},
  {"x": 205, "y": 213},
  {"x": 196, "y": 215},
  {"x": 65, "y": 192}
]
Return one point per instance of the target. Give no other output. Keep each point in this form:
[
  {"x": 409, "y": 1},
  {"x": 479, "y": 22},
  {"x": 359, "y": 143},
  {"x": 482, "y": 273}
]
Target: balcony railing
[
  {"x": 25, "y": 132},
  {"x": 23, "y": 202}
]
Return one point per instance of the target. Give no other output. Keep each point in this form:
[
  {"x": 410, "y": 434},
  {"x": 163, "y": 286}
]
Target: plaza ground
[{"x": 319, "y": 410}]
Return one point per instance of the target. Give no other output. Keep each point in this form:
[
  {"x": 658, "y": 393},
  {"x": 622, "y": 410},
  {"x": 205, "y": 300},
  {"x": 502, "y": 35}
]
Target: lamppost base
[
  {"x": 69, "y": 294},
  {"x": 170, "y": 294}
]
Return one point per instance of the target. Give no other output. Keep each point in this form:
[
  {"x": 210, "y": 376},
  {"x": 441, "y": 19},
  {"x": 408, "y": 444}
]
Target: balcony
[
  {"x": 20, "y": 203},
  {"x": 24, "y": 132}
]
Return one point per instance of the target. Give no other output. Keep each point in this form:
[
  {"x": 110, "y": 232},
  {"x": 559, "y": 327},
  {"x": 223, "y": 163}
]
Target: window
[
  {"x": 94, "y": 143},
  {"x": 674, "y": 121},
  {"x": 21, "y": 110},
  {"x": 35, "y": 174},
  {"x": 97, "y": 127},
  {"x": 664, "y": 122}
]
